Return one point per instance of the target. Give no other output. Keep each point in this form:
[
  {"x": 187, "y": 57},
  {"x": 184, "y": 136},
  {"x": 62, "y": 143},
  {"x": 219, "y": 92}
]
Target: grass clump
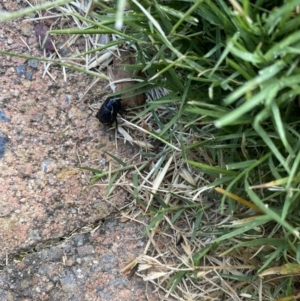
[
  {"x": 223, "y": 193},
  {"x": 222, "y": 185},
  {"x": 223, "y": 189}
]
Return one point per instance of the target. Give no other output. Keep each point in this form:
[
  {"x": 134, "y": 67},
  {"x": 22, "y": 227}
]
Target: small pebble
[
  {"x": 37, "y": 117},
  {"x": 81, "y": 239},
  {"x": 100, "y": 288},
  {"x": 33, "y": 63},
  {"x": 68, "y": 282},
  {"x": 3, "y": 141},
  {"x": 63, "y": 51},
  {"x": 117, "y": 282},
  {"x": 3, "y": 116},
  {"x": 34, "y": 235},
  {"x": 55, "y": 278},
  {"x": 21, "y": 70},
  {"x": 9, "y": 41},
  {"x": 45, "y": 165},
  {"x": 78, "y": 260},
  {"x": 26, "y": 30},
  {"x": 29, "y": 75},
  {"x": 68, "y": 99},
  {"x": 49, "y": 286},
  {"x": 108, "y": 258}
]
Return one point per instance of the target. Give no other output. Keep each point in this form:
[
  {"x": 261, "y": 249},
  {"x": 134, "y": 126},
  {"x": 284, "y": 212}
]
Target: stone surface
[
  {"x": 48, "y": 250},
  {"x": 84, "y": 266}
]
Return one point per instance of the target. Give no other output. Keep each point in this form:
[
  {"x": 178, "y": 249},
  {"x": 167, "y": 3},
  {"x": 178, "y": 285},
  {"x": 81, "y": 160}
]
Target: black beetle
[{"x": 109, "y": 110}]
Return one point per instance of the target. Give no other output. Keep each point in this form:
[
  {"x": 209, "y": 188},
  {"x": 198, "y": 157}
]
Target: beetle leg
[{"x": 121, "y": 112}]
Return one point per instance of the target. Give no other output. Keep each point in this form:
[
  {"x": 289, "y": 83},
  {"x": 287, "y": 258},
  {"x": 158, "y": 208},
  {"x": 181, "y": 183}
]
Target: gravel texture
[
  {"x": 46, "y": 132},
  {"x": 81, "y": 267}
]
